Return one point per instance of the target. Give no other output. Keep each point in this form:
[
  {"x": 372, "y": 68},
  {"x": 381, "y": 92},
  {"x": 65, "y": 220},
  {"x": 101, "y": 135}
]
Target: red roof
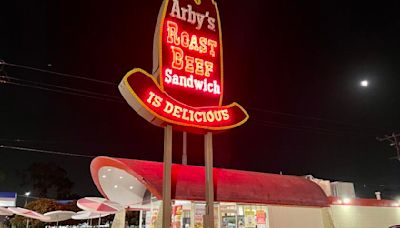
[{"x": 229, "y": 185}]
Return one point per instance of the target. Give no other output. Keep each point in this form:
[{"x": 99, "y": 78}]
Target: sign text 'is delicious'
[{"x": 186, "y": 87}]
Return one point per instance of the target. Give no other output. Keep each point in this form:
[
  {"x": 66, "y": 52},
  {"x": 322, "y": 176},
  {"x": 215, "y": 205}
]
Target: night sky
[{"x": 294, "y": 65}]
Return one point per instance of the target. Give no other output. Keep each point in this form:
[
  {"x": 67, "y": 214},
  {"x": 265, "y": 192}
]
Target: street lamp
[{"x": 27, "y": 194}]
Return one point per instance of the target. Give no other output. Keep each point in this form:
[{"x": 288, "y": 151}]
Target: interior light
[
  {"x": 131, "y": 187},
  {"x": 104, "y": 176},
  {"x": 346, "y": 200},
  {"x": 115, "y": 186}
]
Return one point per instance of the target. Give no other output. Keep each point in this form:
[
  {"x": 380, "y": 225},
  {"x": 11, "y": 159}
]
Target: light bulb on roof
[
  {"x": 121, "y": 177},
  {"x": 131, "y": 187},
  {"x": 108, "y": 169},
  {"x": 104, "y": 176},
  {"x": 115, "y": 186}
]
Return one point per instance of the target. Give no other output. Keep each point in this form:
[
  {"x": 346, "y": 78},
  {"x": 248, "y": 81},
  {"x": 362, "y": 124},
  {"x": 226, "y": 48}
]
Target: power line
[
  {"x": 95, "y": 95},
  {"x": 34, "y": 141},
  {"x": 325, "y": 131},
  {"x": 303, "y": 117},
  {"x": 45, "y": 151},
  {"x": 57, "y": 73},
  {"x": 394, "y": 141},
  {"x": 62, "y": 91},
  {"x": 61, "y": 87}
]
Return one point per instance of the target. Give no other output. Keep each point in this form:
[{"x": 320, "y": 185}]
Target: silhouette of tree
[
  {"x": 2, "y": 176},
  {"x": 45, "y": 177}
]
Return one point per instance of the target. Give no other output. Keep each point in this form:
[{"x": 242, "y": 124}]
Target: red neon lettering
[
  {"x": 193, "y": 43},
  {"x": 189, "y": 67},
  {"x": 172, "y": 29},
  {"x": 199, "y": 66},
  {"x": 177, "y": 57},
  {"x": 213, "y": 45},
  {"x": 200, "y": 45},
  {"x": 203, "y": 45},
  {"x": 185, "y": 39},
  {"x": 191, "y": 64},
  {"x": 209, "y": 68}
]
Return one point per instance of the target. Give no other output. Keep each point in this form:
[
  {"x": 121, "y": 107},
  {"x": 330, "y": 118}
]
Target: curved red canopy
[{"x": 229, "y": 185}]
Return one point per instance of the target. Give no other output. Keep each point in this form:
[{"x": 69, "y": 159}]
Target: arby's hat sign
[{"x": 185, "y": 88}]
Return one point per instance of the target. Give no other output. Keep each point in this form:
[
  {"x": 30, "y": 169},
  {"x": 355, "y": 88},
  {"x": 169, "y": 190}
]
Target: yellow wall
[
  {"x": 345, "y": 216},
  {"x": 291, "y": 217}
]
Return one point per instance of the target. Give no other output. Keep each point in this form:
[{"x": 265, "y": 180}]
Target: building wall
[
  {"x": 346, "y": 216},
  {"x": 290, "y": 217}
]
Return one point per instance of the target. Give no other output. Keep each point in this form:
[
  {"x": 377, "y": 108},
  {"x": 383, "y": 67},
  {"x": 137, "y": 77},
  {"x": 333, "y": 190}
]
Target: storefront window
[
  {"x": 252, "y": 216},
  {"x": 199, "y": 212},
  {"x": 228, "y": 215},
  {"x": 181, "y": 214}
]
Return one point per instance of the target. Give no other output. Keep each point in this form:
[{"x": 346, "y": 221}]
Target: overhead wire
[
  {"x": 44, "y": 151},
  {"x": 337, "y": 122},
  {"x": 64, "y": 92},
  {"x": 95, "y": 95},
  {"x": 326, "y": 131},
  {"x": 58, "y": 73},
  {"x": 62, "y": 87}
]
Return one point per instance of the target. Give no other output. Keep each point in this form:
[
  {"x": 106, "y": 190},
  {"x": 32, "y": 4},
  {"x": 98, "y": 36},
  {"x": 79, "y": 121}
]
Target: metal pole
[
  {"x": 27, "y": 222},
  {"x": 184, "y": 148},
  {"x": 208, "y": 154},
  {"x": 166, "y": 212},
  {"x": 141, "y": 218}
]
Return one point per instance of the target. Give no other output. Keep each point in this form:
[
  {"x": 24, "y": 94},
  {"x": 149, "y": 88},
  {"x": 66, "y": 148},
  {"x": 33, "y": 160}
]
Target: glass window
[
  {"x": 228, "y": 215},
  {"x": 252, "y": 216}
]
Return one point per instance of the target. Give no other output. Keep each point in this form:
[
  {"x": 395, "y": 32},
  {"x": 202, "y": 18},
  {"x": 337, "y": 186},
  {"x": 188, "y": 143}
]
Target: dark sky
[{"x": 294, "y": 65}]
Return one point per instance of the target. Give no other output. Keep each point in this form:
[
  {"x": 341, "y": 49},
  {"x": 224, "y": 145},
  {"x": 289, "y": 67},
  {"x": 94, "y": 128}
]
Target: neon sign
[{"x": 186, "y": 87}]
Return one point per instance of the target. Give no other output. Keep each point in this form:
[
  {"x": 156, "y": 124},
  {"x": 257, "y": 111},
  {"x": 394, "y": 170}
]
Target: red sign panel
[
  {"x": 186, "y": 87},
  {"x": 191, "y": 52}
]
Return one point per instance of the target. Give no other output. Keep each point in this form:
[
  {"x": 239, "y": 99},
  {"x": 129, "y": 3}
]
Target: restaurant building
[{"x": 242, "y": 198}]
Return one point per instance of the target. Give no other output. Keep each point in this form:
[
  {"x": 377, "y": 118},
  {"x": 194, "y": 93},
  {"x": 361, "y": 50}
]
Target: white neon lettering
[
  {"x": 167, "y": 78},
  {"x": 169, "y": 107},
  {"x": 193, "y": 17},
  {"x": 185, "y": 113},
  {"x": 191, "y": 82},
  {"x": 196, "y": 116},
  {"x": 151, "y": 95},
  {"x": 225, "y": 114}
]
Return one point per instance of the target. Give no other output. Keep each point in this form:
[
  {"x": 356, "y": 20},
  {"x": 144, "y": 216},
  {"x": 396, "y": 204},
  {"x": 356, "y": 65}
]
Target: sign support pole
[
  {"x": 208, "y": 154},
  {"x": 166, "y": 210},
  {"x": 184, "y": 148}
]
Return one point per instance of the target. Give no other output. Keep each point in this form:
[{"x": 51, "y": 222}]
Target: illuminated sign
[{"x": 186, "y": 87}]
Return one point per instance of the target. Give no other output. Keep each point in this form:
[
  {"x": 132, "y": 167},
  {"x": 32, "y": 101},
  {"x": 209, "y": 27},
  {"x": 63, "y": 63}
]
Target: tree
[
  {"x": 44, "y": 177},
  {"x": 46, "y": 205}
]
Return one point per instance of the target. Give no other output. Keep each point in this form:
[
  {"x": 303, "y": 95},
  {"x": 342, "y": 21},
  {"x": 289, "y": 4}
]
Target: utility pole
[{"x": 394, "y": 140}]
